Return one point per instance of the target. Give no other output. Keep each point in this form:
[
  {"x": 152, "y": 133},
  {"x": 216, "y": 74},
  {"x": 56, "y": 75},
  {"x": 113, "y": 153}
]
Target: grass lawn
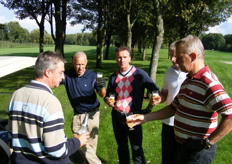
[{"x": 107, "y": 149}]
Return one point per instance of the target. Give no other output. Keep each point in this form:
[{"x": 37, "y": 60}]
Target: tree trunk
[
  {"x": 108, "y": 38},
  {"x": 144, "y": 54},
  {"x": 60, "y": 19},
  {"x": 100, "y": 47},
  {"x": 100, "y": 35},
  {"x": 129, "y": 32},
  {"x": 139, "y": 47},
  {"x": 157, "y": 42},
  {"x": 41, "y": 37}
]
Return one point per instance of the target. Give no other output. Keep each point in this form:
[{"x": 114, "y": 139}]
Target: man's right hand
[
  {"x": 83, "y": 138},
  {"x": 109, "y": 102},
  {"x": 138, "y": 119}
]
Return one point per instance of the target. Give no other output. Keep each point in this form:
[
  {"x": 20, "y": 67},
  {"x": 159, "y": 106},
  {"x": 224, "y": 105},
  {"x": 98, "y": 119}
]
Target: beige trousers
[{"x": 89, "y": 151}]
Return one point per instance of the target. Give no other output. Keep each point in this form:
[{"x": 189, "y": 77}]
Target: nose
[
  {"x": 62, "y": 76},
  {"x": 173, "y": 59}
]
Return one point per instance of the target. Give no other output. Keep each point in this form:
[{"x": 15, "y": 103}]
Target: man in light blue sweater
[{"x": 36, "y": 121}]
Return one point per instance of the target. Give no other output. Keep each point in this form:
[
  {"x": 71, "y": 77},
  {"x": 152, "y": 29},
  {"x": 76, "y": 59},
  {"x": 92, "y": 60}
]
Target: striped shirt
[
  {"x": 37, "y": 127},
  {"x": 200, "y": 100}
]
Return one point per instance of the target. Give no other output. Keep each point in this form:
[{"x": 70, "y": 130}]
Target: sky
[{"x": 7, "y": 15}]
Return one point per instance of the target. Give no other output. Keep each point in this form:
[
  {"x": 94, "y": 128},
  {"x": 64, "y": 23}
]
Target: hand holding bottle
[{"x": 83, "y": 138}]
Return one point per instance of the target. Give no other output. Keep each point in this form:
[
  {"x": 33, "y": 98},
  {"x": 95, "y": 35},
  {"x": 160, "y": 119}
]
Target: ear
[
  {"x": 193, "y": 56},
  {"x": 47, "y": 72}
]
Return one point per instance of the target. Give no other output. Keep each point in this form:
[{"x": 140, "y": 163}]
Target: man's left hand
[{"x": 101, "y": 82}]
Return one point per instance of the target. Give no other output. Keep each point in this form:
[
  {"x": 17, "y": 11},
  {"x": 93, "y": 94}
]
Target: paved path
[
  {"x": 10, "y": 64},
  {"x": 227, "y": 62}
]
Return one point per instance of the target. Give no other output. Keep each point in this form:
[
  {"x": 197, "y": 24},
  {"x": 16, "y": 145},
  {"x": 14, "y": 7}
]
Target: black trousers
[
  {"x": 123, "y": 135},
  {"x": 188, "y": 155},
  {"x": 169, "y": 145}
]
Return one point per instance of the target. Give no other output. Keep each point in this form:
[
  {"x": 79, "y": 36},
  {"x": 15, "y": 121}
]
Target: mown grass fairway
[{"x": 107, "y": 146}]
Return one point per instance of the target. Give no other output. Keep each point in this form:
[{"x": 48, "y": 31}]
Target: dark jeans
[
  {"x": 188, "y": 155},
  {"x": 122, "y": 134},
  {"x": 169, "y": 145}
]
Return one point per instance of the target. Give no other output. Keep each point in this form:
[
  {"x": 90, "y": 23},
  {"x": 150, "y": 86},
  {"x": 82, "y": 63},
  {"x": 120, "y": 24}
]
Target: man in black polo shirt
[{"x": 81, "y": 86}]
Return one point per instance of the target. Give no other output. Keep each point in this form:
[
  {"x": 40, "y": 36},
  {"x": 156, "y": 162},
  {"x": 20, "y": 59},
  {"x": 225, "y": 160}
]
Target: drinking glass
[
  {"x": 99, "y": 75},
  {"x": 112, "y": 97},
  {"x": 155, "y": 96},
  {"x": 129, "y": 120}
]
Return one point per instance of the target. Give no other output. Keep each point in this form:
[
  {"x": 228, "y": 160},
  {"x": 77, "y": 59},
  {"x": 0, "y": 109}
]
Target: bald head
[
  {"x": 79, "y": 63},
  {"x": 80, "y": 54}
]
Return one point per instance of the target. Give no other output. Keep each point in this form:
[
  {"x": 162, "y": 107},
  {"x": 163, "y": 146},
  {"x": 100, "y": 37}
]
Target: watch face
[{"x": 207, "y": 143}]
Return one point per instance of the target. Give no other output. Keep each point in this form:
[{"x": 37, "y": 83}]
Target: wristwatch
[{"x": 207, "y": 144}]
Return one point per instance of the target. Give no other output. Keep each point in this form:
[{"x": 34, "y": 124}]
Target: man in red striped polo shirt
[{"x": 196, "y": 107}]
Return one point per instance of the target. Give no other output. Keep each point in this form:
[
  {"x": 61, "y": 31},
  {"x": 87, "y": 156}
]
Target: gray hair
[
  {"x": 79, "y": 54},
  {"x": 172, "y": 47},
  {"x": 47, "y": 60},
  {"x": 193, "y": 44}
]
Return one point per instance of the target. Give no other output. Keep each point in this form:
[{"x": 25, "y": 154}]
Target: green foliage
[
  {"x": 35, "y": 34},
  {"x": 7, "y": 44},
  {"x": 228, "y": 43},
  {"x": 182, "y": 18},
  {"x": 16, "y": 33},
  {"x": 85, "y": 39},
  {"x": 107, "y": 149},
  {"x": 213, "y": 41}
]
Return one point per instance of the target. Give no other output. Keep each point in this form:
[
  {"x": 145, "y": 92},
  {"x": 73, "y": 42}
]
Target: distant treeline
[{"x": 14, "y": 33}]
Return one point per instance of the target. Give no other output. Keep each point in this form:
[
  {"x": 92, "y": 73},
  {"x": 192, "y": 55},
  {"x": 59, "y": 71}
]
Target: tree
[
  {"x": 182, "y": 18},
  {"x": 70, "y": 39},
  {"x": 91, "y": 13},
  {"x": 228, "y": 39},
  {"x": 143, "y": 29},
  {"x": 35, "y": 34},
  {"x": 60, "y": 11},
  {"x": 101, "y": 30},
  {"x": 16, "y": 33},
  {"x": 34, "y": 9},
  {"x": 129, "y": 11},
  {"x": 159, "y": 32},
  {"x": 48, "y": 38},
  {"x": 3, "y": 32},
  {"x": 214, "y": 41},
  {"x": 228, "y": 42}
]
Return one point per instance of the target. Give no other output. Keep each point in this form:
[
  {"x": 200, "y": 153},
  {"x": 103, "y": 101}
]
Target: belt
[
  {"x": 122, "y": 112},
  {"x": 89, "y": 110},
  {"x": 92, "y": 110},
  {"x": 119, "y": 111}
]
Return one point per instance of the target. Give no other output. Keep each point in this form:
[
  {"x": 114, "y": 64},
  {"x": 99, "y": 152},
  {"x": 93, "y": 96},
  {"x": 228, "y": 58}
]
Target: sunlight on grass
[{"x": 107, "y": 148}]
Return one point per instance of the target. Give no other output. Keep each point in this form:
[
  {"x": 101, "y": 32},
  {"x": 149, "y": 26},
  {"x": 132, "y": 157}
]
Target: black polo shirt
[{"x": 81, "y": 90}]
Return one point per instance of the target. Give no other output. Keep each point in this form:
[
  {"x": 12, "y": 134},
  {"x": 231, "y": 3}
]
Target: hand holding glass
[
  {"x": 99, "y": 75},
  {"x": 155, "y": 96},
  {"x": 112, "y": 97},
  {"x": 130, "y": 120}
]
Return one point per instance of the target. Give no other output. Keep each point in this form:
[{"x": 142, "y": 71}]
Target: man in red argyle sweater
[{"x": 128, "y": 85}]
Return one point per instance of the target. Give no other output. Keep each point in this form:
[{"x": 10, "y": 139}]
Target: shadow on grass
[{"x": 16, "y": 80}]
